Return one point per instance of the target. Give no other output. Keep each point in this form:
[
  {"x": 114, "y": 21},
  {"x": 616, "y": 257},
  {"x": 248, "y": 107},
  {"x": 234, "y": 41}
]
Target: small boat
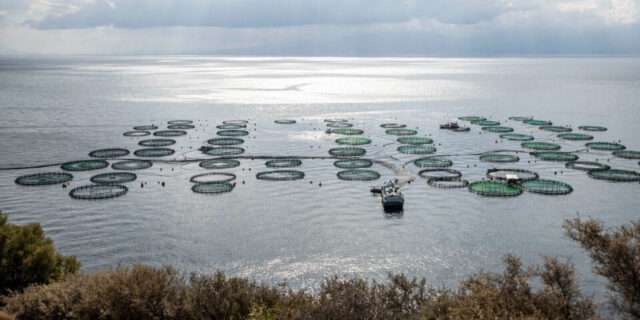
[
  {"x": 328, "y": 131},
  {"x": 392, "y": 198},
  {"x": 453, "y": 126},
  {"x": 205, "y": 148},
  {"x": 376, "y": 189}
]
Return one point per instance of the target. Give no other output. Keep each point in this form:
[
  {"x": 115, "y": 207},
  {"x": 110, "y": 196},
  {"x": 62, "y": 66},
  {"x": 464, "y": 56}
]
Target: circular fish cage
[
  {"x": 555, "y": 129},
  {"x": 358, "y": 175},
  {"x": 170, "y": 133},
  {"x": 156, "y": 142},
  {"x": 499, "y": 158},
  {"x": 447, "y": 183},
  {"x": 153, "y": 152},
  {"x": 393, "y": 125},
  {"x": 544, "y": 186},
  {"x": 113, "y": 178},
  {"x": 401, "y": 132},
  {"x": 336, "y": 120},
  {"x": 213, "y": 177},
  {"x": 145, "y": 128},
  {"x": 433, "y": 162},
  {"x": 505, "y": 174},
  {"x": 417, "y": 149},
  {"x": 586, "y": 165},
  {"x": 608, "y": 146},
  {"x": 280, "y": 175},
  {"x": 136, "y": 133},
  {"x": 520, "y": 118},
  {"x": 555, "y": 156},
  {"x": 233, "y": 133},
  {"x": 44, "y": 178},
  {"x": 616, "y": 175},
  {"x": 592, "y": 128},
  {"x": 472, "y": 118},
  {"x": 231, "y": 126},
  {"x": 627, "y": 154},
  {"x": 415, "y": 140},
  {"x": 225, "y": 141},
  {"x": 347, "y": 152},
  {"x": 109, "y": 153},
  {"x": 535, "y": 122},
  {"x": 132, "y": 165},
  {"x": 541, "y": 146},
  {"x": 347, "y": 131},
  {"x": 353, "y": 163},
  {"x": 219, "y": 163},
  {"x": 354, "y": 141},
  {"x": 498, "y": 129},
  {"x": 495, "y": 189},
  {"x": 85, "y": 165},
  {"x": 180, "y": 122},
  {"x": 575, "y": 136},
  {"x": 285, "y": 121},
  {"x": 339, "y": 125},
  {"x": 283, "y": 163},
  {"x": 224, "y": 151},
  {"x": 516, "y": 137},
  {"x": 212, "y": 187},
  {"x": 98, "y": 191},
  {"x": 235, "y": 122},
  {"x": 486, "y": 123},
  {"x": 440, "y": 173},
  {"x": 181, "y": 126}
]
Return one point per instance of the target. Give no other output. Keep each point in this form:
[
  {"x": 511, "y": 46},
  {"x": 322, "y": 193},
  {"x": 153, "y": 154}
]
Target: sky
[{"x": 321, "y": 27}]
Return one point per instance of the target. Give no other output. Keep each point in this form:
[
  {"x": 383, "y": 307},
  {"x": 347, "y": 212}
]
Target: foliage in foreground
[{"x": 28, "y": 257}]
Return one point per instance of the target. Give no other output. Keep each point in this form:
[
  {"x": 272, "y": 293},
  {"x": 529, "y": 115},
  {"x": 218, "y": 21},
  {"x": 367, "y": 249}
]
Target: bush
[{"x": 28, "y": 257}]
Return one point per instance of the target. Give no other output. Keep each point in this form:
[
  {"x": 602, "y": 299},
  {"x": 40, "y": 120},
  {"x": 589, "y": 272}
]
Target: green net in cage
[
  {"x": 520, "y": 118},
  {"x": 283, "y": 163},
  {"x": 235, "y": 122},
  {"x": 575, "y": 136},
  {"x": 586, "y": 165},
  {"x": 401, "y": 132},
  {"x": 109, "y": 153},
  {"x": 433, "y": 162},
  {"x": 154, "y": 152},
  {"x": 393, "y": 125},
  {"x": 145, "y": 128},
  {"x": 212, "y": 187},
  {"x": 213, "y": 177},
  {"x": 447, "y": 183},
  {"x": 136, "y": 133},
  {"x": 627, "y": 154},
  {"x": 414, "y": 140},
  {"x": 535, "y": 122},
  {"x": 555, "y": 129},
  {"x": 506, "y": 174},
  {"x": 495, "y": 189},
  {"x": 84, "y": 165},
  {"x": 358, "y": 175},
  {"x": 417, "y": 149},
  {"x": 285, "y": 121},
  {"x": 170, "y": 133},
  {"x": 156, "y": 142},
  {"x": 353, "y": 163},
  {"x": 347, "y": 152},
  {"x": 555, "y": 156},
  {"x": 353, "y": 141},
  {"x": 224, "y": 151},
  {"x": 616, "y": 175},
  {"x": 540, "y": 145},
  {"x": 132, "y": 165},
  {"x": 485, "y": 123},
  {"x": 280, "y": 175},
  {"x": 231, "y": 126},
  {"x": 113, "y": 178},
  {"x": 347, "y": 131},
  {"x": 225, "y": 141},
  {"x": 44, "y": 178},
  {"x": 609, "y": 146},
  {"x": 472, "y": 118},
  {"x": 219, "y": 163},
  {"x": 180, "y": 122},
  {"x": 98, "y": 191},
  {"x": 516, "y": 137},
  {"x": 180, "y": 126},
  {"x": 592, "y": 128},
  {"x": 544, "y": 186},
  {"x": 499, "y": 158},
  {"x": 233, "y": 133},
  {"x": 339, "y": 124},
  {"x": 499, "y": 129},
  {"x": 441, "y": 173}
]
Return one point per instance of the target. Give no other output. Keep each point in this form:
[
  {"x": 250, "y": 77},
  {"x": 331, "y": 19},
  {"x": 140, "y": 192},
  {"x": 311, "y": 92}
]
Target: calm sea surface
[{"x": 59, "y": 109}]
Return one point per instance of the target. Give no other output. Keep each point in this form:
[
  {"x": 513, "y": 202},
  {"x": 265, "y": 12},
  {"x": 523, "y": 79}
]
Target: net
[
  {"x": 592, "y": 128},
  {"x": 575, "y": 136},
  {"x": 447, "y": 183},
  {"x": 586, "y": 165},
  {"x": 233, "y": 133},
  {"x": 401, "y": 132},
  {"x": 347, "y": 131},
  {"x": 84, "y": 165},
  {"x": 347, "y": 152},
  {"x": 358, "y": 175},
  {"x": 486, "y": 123},
  {"x": 132, "y": 165},
  {"x": 499, "y": 158},
  {"x": 98, "y": 191},
  {"x": 336, "y": 120},
  {"x": 353, "y": 163},
  {"x": 495, "y": 189},
  {"x": 440, "y": 173},
  {"x": 154, "y": 152},
  {"x": 499, "y": 129},
  {"x": 417, "y": 149},
  {"x": 609, "y": 146},
  {"x": 113, "y": 178},
  {"x": 540, "y": 145},
  {"x": 181, "y": 126},
  {"x": 235, "y": 122},
  {"x": 285, "y": 121},
  {"x": 136, "y": 133},
  {"x": 516, "y": 137},
  {"x": 433, "y": 162},
  {"x": 393, "y": 125},
  {"x": 555, "y": 129},
  {"x": 109, "y": 153},
  {"x": 535, "y": 122},
  {"x": 283, "y": 163},
  {"x": 180, "y": 122},
  {"x": 213, "y": 177},
  {"x": 225, "y": 141},
  {"x": 472, "y": 118},
  {"x": 616, "y": 175},
  {"x": 219, "y": 163},
  {"x": 44, "y": 178},
  {"x": 231, "y": 126},
  {"x": 156, "y": 142},
  {"x": 546, "y": 186},
  {"x": 353, "y": 141},
  {"x": 520, "y": 118},
  {"x": 339, "y": 125},
  {"x": 224, "y": 151},
  {"x": 555, "y": 156},
  {"x": 511, "y": 174},
  {"x": 169, "y": 133},
  {"x": 627, "y": 154},
  {"x": 212, "y": 187},
  {"x": 414, "y": 140},
  {"x": 280, "y": 175},
  {"x": 145, "y": 128}
]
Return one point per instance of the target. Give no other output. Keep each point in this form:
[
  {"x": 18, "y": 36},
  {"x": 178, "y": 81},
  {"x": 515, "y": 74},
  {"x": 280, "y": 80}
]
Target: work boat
[{"x": 392, "y": 199}]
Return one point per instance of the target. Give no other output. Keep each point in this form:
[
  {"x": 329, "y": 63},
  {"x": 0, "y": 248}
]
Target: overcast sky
[{"x": 320, "y": 27}]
